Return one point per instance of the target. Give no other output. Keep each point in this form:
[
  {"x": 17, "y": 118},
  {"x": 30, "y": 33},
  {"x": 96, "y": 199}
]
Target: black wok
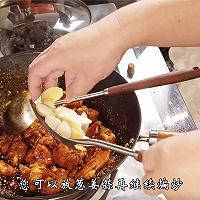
[{"x": 120, "y": 113}]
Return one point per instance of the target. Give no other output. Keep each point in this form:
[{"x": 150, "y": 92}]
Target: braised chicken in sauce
[{"x": 35, "y": 155}]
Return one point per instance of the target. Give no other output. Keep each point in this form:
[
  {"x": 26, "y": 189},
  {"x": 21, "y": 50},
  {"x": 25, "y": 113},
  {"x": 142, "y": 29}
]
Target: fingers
[
  {"x": 69, "y": 78},
  {"x": 150, "y": 162},
  {"x": 42, "y": 66},
  {"x": 148, "y": 157},
  {"x": 79, "y": 86},
  {"x": 35, "y": 90},
  {"x": 156, "y": 162},
  {"x": 170, "y": 160},
  {"x": 52, "y": 79},
  {"x": 150, "y": 185}
]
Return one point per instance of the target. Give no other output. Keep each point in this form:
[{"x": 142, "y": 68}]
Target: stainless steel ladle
[
  {"x": 87, "y": 141},
  {"x": 18, "y": 114}
]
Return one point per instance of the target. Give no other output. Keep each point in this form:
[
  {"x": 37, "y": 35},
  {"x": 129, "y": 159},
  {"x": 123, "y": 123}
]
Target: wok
[{"x": 120, "y": 113}]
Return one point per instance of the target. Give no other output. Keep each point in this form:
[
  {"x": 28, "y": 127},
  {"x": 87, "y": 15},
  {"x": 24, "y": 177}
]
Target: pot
[
  {"x": 35, "y": 25},
  {"x": 120, "y": 113}
]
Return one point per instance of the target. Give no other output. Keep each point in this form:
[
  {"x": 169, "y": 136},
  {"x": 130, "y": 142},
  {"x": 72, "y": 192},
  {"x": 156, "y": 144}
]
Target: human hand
[
  {"x": 85, "y": 57},
  {"x": 175, "y": 157}
]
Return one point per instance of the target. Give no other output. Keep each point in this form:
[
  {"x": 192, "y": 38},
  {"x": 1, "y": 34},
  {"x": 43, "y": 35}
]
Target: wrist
[{"x": 110, "y": 31}]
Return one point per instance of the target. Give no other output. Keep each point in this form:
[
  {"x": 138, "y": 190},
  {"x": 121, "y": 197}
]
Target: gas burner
[{"x": 36, "y": 36}]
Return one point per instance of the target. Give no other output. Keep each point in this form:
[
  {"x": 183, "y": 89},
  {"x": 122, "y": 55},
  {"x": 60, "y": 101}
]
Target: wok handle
[
  {"x": 157, "y": 135},
  {"x": 165, "y": 134},
  {"x": 154, "y": 136},
  {"x": 24, "y": 4},
  {"x": 164, "y": 79}
]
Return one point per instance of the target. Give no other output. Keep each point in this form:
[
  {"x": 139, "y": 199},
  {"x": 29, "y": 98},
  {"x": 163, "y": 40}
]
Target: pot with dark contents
[{"x": 120, "y": 114}]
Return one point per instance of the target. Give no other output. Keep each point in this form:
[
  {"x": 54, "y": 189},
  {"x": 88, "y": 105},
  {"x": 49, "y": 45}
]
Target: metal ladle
[
  {"x": 159, "y": 135},
  {"x": 19, "y": 114},
  {"x": 87, "y": 141}
]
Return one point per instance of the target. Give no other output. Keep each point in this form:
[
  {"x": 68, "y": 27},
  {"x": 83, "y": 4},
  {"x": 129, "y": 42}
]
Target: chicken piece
[
  {"x": 3, "y": 137},
  {"x": 73, "y": 171},
  {"x": 48, "y": 141},
  {"x": 40, "y": 154},
  {"x": 25, "y": 171},
  {"x": 97, "y": 131},
  {"x": 99, "y": 160},
  {"x": 32, "y": 173},
  {"x": 33, "y": 140},
  {"x": 32, "y": 130},
  {"x": 36, "y": 128},
  {"x": 37, "y": 134},
  {"x": 17, "y": 152},
  {"x": 93, "y": 130},
  {"x": 30, "y": 158},
  {"x": 91, "y": 113},
  {"x": 106, "y": 134},
  {"x": 68, "y": 157},
  {"x": 38, "y": 171},
  {"x": 90, "y": 152},
  {"x": 4, "y": 146},
  {"x": 74, "y": 105},
  {"x": 11, "y": 138},
  {"x": 53, "y": 183},
  {"x": 6, "y": 169}
]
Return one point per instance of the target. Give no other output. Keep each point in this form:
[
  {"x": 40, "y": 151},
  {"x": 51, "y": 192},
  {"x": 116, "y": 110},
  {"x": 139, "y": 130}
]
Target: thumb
[
  {"x": 150, "y": 162},
  {"x": 150, "y": 157}
]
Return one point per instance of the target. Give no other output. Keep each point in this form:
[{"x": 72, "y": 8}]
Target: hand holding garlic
[{"x": 63, "y": 120}]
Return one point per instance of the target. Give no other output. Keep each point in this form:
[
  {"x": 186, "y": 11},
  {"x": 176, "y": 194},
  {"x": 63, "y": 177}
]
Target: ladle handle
[
  {"x": 24, "y": 4},
  {"x": 164, "y": 79}
]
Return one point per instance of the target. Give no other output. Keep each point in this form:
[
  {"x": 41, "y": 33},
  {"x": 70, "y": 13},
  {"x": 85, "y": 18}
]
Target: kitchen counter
[{"x": 186, "y": 58}]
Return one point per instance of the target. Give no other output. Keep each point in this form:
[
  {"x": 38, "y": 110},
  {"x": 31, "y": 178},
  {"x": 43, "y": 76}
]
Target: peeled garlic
[
  {"x": 71, "y": 115},
  {"x": 63, "y": 120},
  {"x": 43, "y": 110},
  {"x": 85, "y": 121},
  {"x": 75, "y": 134},
  {"x": 58, "y": 110},
  {"x": 52, "y": 121},
  {"x": 64, "y": 129}
]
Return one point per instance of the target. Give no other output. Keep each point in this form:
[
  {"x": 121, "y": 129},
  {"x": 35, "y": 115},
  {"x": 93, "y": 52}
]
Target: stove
[{"x": 162, "y": 108}]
